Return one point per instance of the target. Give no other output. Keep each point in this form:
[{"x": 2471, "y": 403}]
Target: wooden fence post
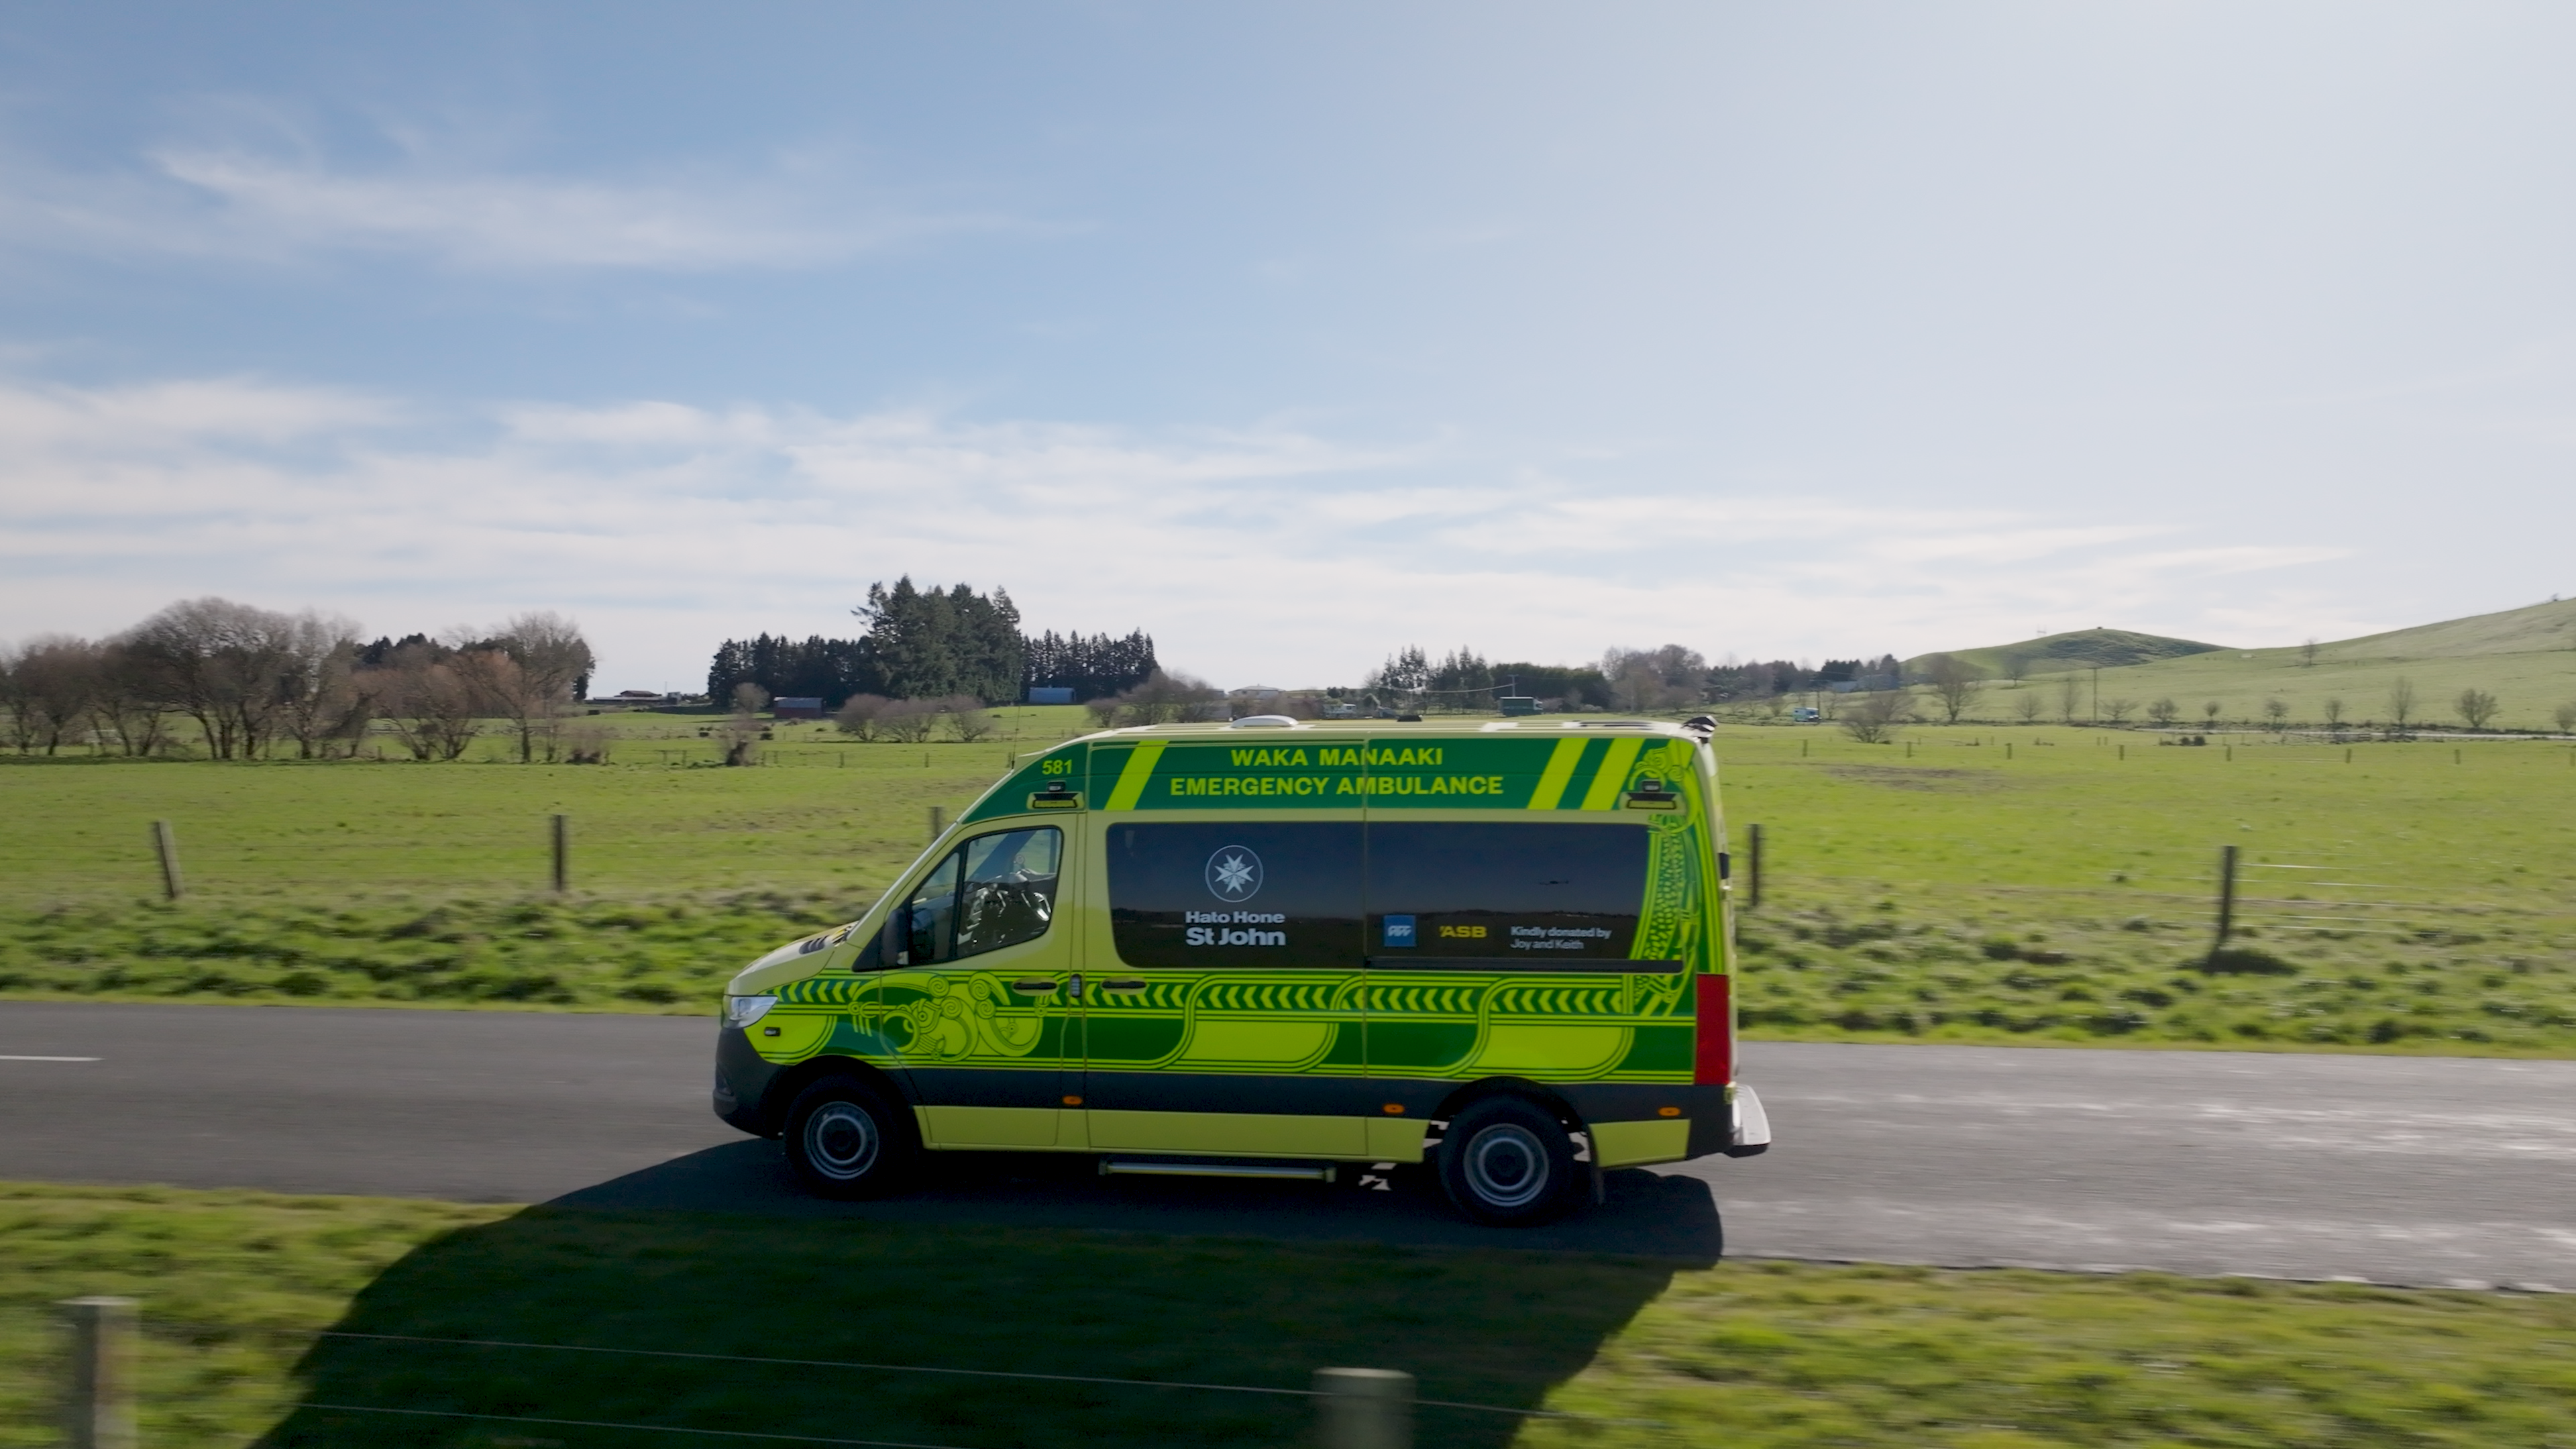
[
  {"x": 168, "y": 845},
  {"x": 1753, "y": 866},
  {"x": 563, "y": 855},
  {"x": 2226, "y": 897},
  {"x": 1363, "y": 1409},
  {"x": 98, "y": 1403}
]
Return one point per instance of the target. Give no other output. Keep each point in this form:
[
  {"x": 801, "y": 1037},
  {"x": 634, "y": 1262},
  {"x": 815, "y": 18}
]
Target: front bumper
[{"x": 742, "y": 1083}]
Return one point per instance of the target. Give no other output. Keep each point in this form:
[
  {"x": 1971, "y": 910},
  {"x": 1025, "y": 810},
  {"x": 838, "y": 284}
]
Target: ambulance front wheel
[
  {"x": 845, "y": 1140},
  {"x": 1508, "y": 1162}
]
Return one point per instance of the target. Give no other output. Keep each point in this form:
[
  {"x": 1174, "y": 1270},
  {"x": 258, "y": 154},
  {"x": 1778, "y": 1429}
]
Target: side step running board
[{"x": 1276, "y": 1171}]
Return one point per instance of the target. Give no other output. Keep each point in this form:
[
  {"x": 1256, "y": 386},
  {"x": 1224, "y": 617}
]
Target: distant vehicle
[
  {"x": 1156, "y": 946},
  {"x": 1517, "y": 704},
  {"x": 1803, "y": 715}
]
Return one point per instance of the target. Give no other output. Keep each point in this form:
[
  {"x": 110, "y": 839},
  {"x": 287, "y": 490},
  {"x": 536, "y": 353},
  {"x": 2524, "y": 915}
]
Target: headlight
[{"x": 744, "y": 1010}]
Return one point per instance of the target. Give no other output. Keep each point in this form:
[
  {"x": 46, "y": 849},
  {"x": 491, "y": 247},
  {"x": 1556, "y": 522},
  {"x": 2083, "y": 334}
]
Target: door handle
[
  {"x": 1036, "y": 986},
  {"x": 1123, "y": 984}
]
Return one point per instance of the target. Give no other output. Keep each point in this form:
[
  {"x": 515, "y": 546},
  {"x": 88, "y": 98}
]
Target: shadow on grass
[{"x": 993, "y": 1265}]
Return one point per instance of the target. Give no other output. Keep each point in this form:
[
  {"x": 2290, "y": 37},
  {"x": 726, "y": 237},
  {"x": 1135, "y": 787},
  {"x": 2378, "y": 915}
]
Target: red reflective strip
[{"x": 1713, "y": 1065}]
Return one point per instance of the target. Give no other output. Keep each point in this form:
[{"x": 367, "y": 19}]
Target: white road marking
[{"x": 4, "y": 1058}]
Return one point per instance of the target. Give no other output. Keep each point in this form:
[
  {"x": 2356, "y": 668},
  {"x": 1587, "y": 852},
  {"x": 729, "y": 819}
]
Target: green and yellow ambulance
[{"x": 1274, "y": 948}]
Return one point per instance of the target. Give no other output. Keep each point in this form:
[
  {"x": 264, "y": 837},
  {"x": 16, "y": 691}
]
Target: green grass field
[
  {"x": 1743, "y": 1355},
  {"x": 1941, "y": 888}
]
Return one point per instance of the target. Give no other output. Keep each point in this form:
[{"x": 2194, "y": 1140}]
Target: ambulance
[{"x": 1275, "y": 948}]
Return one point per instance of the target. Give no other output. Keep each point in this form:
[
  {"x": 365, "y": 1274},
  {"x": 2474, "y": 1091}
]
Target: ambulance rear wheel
[
  {"x": 1508, "y": 1162},
  {"x": 845, "y": 1140}
]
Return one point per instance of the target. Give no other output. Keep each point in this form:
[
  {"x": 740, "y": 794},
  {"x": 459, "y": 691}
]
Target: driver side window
[{"x": 991, "y": 892}]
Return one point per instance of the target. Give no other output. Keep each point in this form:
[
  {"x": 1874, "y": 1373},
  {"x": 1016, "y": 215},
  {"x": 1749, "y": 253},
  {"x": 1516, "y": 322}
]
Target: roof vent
[{"x": 1264, "y": 722}]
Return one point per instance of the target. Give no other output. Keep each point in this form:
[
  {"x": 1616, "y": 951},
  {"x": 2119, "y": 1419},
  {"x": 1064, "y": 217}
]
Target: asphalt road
[{"x": 2391, "y": 1169}]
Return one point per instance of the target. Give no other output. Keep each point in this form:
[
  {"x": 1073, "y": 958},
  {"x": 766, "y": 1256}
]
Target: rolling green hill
[
  {"x": 2525, "y": 657},
  {"x": 2082, "y": 649}
]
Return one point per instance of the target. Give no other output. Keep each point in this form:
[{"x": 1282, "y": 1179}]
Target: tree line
[
  {"x": 252, "y": 680},
  {"x": 1670, "y": 677},
  {"x": 930, "y": 644}
]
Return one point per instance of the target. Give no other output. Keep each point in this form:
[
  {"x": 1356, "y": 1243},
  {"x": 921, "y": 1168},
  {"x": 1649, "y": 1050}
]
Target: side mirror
[{"x": 892, "y": 945}]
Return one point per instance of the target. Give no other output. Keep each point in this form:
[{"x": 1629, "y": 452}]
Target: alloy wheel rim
[
  {"x": 841, "y": 1140},
  {"x": 1507, "y": 1166}
]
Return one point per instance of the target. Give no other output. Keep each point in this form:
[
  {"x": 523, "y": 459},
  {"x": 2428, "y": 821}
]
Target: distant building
[
  {"x": 1051, "y": 694},
  {"x": 1518, "y": 704},
  {"x": 796, "y": 707}
]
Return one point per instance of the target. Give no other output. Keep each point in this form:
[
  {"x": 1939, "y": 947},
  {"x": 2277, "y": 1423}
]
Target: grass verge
[{"x": 1756, "y": 1354}]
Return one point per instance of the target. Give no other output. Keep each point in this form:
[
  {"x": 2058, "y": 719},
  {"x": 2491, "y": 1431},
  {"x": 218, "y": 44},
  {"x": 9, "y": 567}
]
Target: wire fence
[{"x": 105, "y": 1360}]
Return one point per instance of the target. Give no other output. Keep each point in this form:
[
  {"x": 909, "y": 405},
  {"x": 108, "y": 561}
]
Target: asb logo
[{"x": 1234, "y": 874}]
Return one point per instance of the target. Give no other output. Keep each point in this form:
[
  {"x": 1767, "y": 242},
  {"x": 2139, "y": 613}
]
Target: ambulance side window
[
  {"x": 928, "y": 925},
  {"x": 991, "y": 892},
  {"x": 1009, "y": 891},
  {"x": 1236, "y": 895},
  {"x": 1538, "y": 894}
]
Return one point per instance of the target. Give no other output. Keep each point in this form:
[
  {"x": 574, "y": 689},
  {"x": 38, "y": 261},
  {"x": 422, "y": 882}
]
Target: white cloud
[
  {"x": 1270, "y": 554},
  {"x": 261, "y": 205}
]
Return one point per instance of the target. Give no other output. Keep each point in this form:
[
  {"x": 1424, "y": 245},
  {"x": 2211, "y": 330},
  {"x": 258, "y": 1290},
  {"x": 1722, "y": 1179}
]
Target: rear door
[{"x": 1520, "y": 948}]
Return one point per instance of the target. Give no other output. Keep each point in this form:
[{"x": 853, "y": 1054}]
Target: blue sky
[{"x": 1293, "y": 334}]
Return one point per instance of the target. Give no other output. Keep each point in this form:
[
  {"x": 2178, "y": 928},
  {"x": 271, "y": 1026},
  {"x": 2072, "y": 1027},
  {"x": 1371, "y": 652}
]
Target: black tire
[
  {"x": 845, "y": 1140},
  {"x": 1507, "y": 1162}
]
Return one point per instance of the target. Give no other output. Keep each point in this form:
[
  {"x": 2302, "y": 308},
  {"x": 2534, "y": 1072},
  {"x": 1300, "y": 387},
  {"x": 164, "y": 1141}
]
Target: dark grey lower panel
[
  {"x": 1045, "y": 1086},
  {"x": 1227, "y": 1092}
]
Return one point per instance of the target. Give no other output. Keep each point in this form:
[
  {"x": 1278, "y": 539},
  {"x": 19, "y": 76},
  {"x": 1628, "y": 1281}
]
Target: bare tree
[
  {"x": 2209, "y": 713},
  {"x": 134, "y": 698},
  {"x": 2117, "y": 711},
  {"x": 319, "y": 699},
  {"x": 57, "y": 685},
  {"x": 223, "y": 662},
  {"x": 2401, "y": 702},
  {"x": 1163, "y": 698},
  {"x": 2308, "y": 653},
  {"x": 431, "y": 701},
  {"x": 967, "y": 717},
  {"x": 2276, "y": 712},
  {"x": 2070, "y": 697},
  {"x": 1954, "y": 684},
  {"x": 910, "y": 720},
  {"x": 2027, "y": 705},
  {"x": 2163, "y": 712},
  {"x": 2476, "y": 706},
  {"x": 554, "y": 662},
  {"x": 743, "y": 729},
  {"x": 2566, "y": 717},
  {"x": 2016, "y": 665},
  {"x": 14, "y": 718},
  {"x": 2334, "y": 711},
  {"x": 1873, "y": 718},
  {"x": 859, "y": 715}
]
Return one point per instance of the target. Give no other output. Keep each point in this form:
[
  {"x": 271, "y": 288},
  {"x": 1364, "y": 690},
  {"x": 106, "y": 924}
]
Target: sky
[{"x": 1292, "y": 334}]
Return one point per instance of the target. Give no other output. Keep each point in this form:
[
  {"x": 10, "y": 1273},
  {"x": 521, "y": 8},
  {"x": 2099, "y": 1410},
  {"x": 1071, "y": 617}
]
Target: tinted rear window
[
  {"x": 1242, "y": 895},
  {"x": 1542, "y": 893}
]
